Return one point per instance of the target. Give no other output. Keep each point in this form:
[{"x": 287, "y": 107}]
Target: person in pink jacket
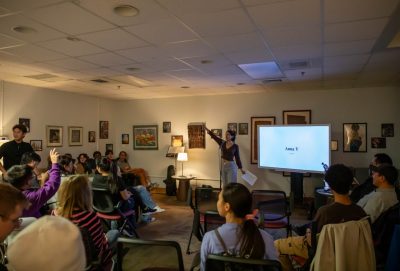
[{"x": 21, "y": 177}]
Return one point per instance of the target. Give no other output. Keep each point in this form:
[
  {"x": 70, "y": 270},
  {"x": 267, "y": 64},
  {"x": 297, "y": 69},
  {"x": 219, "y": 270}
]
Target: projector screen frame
[{"x": 292, "y": 169}]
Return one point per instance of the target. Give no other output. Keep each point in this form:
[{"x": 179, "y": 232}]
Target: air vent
[
  {"x": 301, "y": 64},
  {"x": 47, "y": 77},
  {"x": 100, "y": 81},
  {"x": 269, "y": 81}
]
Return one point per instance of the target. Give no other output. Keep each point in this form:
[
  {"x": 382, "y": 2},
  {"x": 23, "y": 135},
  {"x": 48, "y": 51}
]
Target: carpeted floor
[{"x": 176, "y": 223}]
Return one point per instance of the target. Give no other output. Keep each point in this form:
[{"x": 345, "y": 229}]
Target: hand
[{"x": 54, "y": 156}]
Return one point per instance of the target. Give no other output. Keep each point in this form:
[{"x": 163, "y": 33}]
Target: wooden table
[{"x": 183, "y": 186}]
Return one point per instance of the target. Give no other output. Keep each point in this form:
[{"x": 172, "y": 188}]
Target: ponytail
[{"x": 252, "y": 243}]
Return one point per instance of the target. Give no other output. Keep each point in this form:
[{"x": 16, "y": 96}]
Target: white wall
[
  {"x": 48, "y": 107},
  {"x": 371, "y": 105}
]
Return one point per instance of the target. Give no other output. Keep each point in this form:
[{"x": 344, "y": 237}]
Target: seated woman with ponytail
[{"x": 238, "y": 236}]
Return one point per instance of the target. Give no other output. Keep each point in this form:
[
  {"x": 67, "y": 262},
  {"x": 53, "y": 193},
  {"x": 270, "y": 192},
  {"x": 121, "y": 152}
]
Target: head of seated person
[
  {"x": 339, "y": 177},
  {"x": 50, "y": 243},
  {"x": 31, "y": 159},
  {"x": 66, "y": 165},
  {"x": 12, "y": 203},
  {"x": 384, "y": 176},
  {"x": 20, "y": 176}
]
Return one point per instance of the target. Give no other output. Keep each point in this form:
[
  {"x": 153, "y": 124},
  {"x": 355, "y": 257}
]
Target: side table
[{"x": 183, "y": 186}]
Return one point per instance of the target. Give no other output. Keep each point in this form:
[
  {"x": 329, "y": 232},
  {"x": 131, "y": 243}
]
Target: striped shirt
[{"x": 92, "y": 224}]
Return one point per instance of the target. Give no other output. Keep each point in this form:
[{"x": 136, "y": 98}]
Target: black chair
[
  {"x": 273, "y": 209},
  {"x": 205, "y": 213},
  {"x": 219, "y": 263},
  {"x": 108, "y": 212},
  {"x": 148, "y": 255}
]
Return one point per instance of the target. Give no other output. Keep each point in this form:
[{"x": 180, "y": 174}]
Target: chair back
[
  {"x": 137, "y": 254},
  {"x": 271, "y": 201},
  {"x": 220, "y": 263},
  {"x": 205, "y": 199},
  {"x": 102, "y": 200}
]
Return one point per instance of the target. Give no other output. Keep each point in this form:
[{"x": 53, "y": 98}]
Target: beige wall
[{"x": 43, "y": 107}]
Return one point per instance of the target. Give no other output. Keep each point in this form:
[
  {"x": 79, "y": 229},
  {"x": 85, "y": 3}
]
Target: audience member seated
[
  {"x": 12, "y": 203},
  {"x": 368, "y": 186},
  {"x": 32, "y": 159},
  {"x": 92, "y": 162},
  {"x": 50, "y": 243},
  {"x": 21, "y": 177},
  {"x": 375, "y": 203},
  {"x": 339, "y": 177},
  {"x": 123, "y": 164},
  {"x": 66, "y": 166},
  {"x": 82, "y": 165},
  {"x": 238, "y": 236},
  {"x": 75, "y": 203}
]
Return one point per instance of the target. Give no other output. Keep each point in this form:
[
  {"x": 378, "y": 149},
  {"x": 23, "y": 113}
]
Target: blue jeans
[
  {"x": 145, "y": 196},
  {"x": 229, "y": 172}
]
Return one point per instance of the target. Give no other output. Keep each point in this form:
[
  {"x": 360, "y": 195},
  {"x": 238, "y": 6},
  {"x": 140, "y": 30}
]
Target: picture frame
[
  {"x": 255, "y": 122},
  {"x": 378, "y": 142},
  {"x": 233, "y": 126},
  {"x": 103, "y": 129},
  {"x": 176, "y": 140},
  {"x": 296, "y": 117},
  {"x": 37, "y": 145},
  {"x": 110, "y": 147},
  {"x": 75, "y": 136},
  {"x": 387, "y": 129},
  {"x": 196, "y": 136},
  {"x": 54, "y": 136},
  {"x": 125, "y": 139},
  {"x": 217, "y": 132},
  {"x": 166, "y": 127},
  {"x": 26, "y": 122},
  {"x": 145, "y": 137},
  {"x": 243, "y": 128},
  {"x": 92, "y": 136},
  {"x": 334, "y": 145},
  {"x": 354, "y": 137}
]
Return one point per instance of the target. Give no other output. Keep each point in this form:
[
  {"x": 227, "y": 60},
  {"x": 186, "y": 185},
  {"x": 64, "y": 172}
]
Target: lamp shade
[{"x": 182, "y": 156}]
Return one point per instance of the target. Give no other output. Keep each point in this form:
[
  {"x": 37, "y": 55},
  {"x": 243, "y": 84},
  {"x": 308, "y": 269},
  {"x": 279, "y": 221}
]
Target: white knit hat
[{"x": 50, "y": 243}]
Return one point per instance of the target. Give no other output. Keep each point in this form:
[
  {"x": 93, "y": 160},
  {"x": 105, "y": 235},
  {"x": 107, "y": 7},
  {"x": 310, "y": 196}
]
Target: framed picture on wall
[
  {"x": 145, "y": 137},
  {"x": 297, "y": 117},
  {"x": 103, "y": 128},
  {"x": 243, "y": 128},
  {"x": 109, "y": 147},
  {"x": 177, "y": 140},
  {"x": 92, "y": 136},
  {"x": 26, "y": 123},
  {"x": 125, "y": 139},
  {"x": 217, "y": 132},
  {"x": 355, "y": 137},
  {"x": 334, "y": 145},
  {"x": 378, "y": 142},
  {"x": 196, "y": 136},
  {"x": 36, "y": 145},
  {"x": 387, "y": 130},
  {"x": 166, "y": 127},
  {"x": 75, "y": 135},
  {"x": 255, "y": 122},
  {"x": 54, "y": 136}
]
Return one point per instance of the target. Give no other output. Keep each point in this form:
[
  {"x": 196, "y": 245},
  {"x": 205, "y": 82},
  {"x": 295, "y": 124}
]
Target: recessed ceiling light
[
  {"x": 126, "y": 11},
  {"x": 24, "y": 29},
  {"x": 73, "y": 39},
  {"x": 185, "y": 87},
  {"x": 206, "y": 61},
  {"x": 262, "y": 70},
  {"x": 133, "y": 69}
]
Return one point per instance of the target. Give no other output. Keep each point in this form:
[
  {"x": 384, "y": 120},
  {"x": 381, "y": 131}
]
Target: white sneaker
[{"x": 158, "y": 209}]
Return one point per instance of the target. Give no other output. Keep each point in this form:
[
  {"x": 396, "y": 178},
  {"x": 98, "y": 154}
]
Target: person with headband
[
  {"x": 239, "y": 236},
  {"x": 230, "y": 156}
]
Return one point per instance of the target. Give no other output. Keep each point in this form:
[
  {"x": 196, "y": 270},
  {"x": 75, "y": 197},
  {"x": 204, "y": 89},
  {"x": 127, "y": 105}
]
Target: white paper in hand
[{"x": 249, "y": 177}]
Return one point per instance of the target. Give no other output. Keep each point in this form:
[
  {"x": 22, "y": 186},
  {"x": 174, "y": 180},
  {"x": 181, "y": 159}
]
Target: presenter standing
[{"x": 229, "y": 155}]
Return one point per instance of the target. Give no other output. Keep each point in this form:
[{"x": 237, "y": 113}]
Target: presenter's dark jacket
[{"x": 11, "y": 152}]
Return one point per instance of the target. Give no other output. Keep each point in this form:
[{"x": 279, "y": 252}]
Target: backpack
[{"x": 170, "y": 184}]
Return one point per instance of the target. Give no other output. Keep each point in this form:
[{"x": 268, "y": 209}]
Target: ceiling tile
[
  {"x": 345, "y": 10},
  {"x": 345, "y": 61},
  {"x": 20, "y": 5},
  {"x": 349, "y": 48},
  {"x": 71, "y": 48},
  {"x": 229, "y": 22},
  {"x": 288, "y": 36},
  {"x": 7, "y": 41},
  {"x": 91, "y": 73},
  {"x": 34, "y": 52},
  {"x": 250, "y": 56},
  {"x": 297, "y": 52},
  {"x": 243, "y": 42},
  {"x": 69, "y": 18},
  {"x": 198, "y": 7},
  {"x": 166, "y": 65},
  {"x": 286, "y": 14},
  {"x": 42, "y": 33},
  {"x": 148, "y": 11},
  {"x": 113, "y": 39},
  {"x": 144, "y": 54},
  {"x": 106, "y": 59},
  {"x": 72, "y": 64},
  {"x": 361, "y": 30},
  {"x": 162, "y": 31},
  {"x": 193, "y": 48}
]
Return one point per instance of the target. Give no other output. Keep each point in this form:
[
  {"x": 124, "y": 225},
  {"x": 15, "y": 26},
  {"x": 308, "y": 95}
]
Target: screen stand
[{"x": 296, "y": 188}]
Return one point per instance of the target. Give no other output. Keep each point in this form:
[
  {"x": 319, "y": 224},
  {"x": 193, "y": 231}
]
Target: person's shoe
[
  {"x": 159, "y": 209},
  {"x": 148, "y": 210}
]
